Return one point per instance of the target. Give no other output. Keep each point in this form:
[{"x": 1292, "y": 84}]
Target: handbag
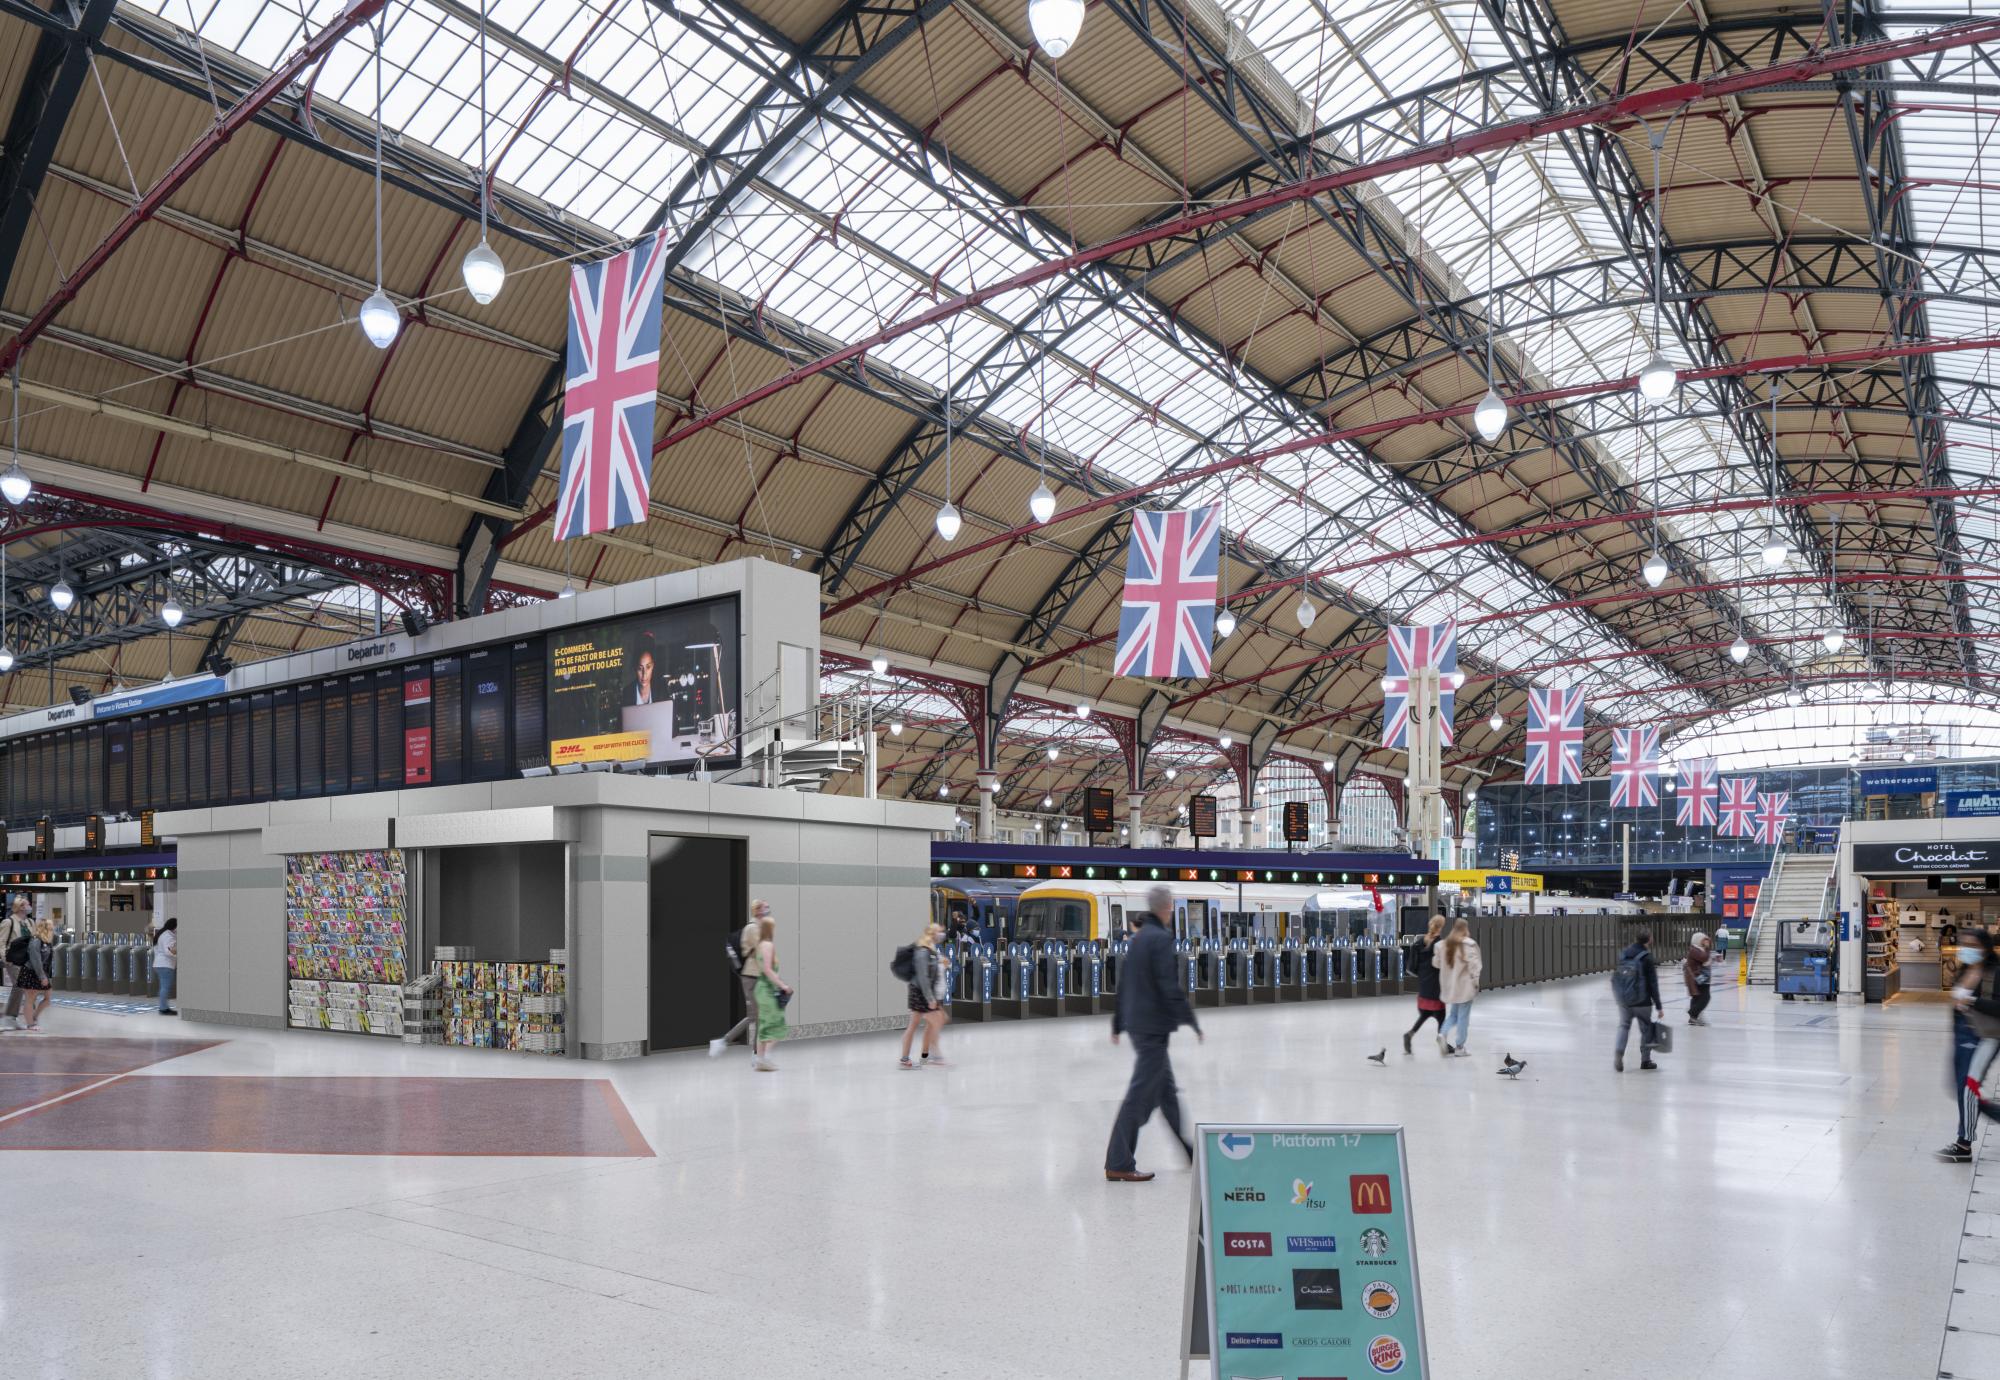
[
  {"x": 1663, "y": 1037},
  {"x": 781, "y": 996}
]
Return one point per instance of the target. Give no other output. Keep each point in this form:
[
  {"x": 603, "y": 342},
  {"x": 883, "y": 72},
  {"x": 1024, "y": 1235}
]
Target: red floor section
[
  {"x": 338, "y": 1116},
  {"x": 21, "y": 1052},
  {"x": 18, "y": 1090}
]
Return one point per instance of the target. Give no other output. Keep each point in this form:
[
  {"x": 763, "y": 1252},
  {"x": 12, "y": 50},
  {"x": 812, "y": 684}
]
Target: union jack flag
[
  {"x": 1696, "y": 806},
  {"x": 1412, "y": 648},
  {"x": 1635, "y": 767},
  {"x": 1739, "y": 807},
  {"x": 1555, "y": 735},
  {"x": 1167, "y": 622},
  {"x": 1771, "y": 816},
  {"x": 612, "y": 373}
]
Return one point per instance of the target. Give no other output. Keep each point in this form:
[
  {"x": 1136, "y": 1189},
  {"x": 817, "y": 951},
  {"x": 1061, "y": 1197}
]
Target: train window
[
  {"x": 1117, "y": 920},
  {"x": 1041, "y": 917}
]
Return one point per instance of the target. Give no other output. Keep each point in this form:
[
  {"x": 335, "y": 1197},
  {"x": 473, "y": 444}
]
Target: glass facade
[{"x": 1554, "y": 828}]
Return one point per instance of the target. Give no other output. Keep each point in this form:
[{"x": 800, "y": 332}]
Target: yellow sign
[
  {"x": 1474, "y": 878},
  {"x": 604, "y": 747}
]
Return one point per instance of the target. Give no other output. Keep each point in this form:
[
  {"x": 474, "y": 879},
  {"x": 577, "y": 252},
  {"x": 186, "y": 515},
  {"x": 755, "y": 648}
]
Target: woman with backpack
[
  {"x": 739, "y": 949},
  {"x": 1423, "y": 962},
  {"x": 763, "y": 966},
  {"x": 1458, "y": 984},
  {"x": 1975, "y": 1001},
  {"x": 926, "y": 998},
  {"x": 37, "y": 952}
]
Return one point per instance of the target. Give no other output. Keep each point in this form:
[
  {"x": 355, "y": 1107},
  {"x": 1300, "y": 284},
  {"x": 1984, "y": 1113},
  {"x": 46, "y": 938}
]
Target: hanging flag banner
[
  {"x": 1696, "y": 806},
  {"x": 1555, "y": 735},
  {"x": 1738, "y": 807},
  {"x": 1413, "y": 648},
  {"x": 1635, "y": 768},
  {"x": 1771, "y": 809},
  {"x": 612, "y": 374},
  {"x": 1166, "y": 625}
]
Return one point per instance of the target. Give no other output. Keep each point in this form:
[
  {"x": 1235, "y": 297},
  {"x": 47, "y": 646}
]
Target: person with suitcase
[{"x": 1635, "y": 985}]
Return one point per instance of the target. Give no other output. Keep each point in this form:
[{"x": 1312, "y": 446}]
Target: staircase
[
  {"x": 1796, "y": 889},
  {"x": 804, "y": 764}
]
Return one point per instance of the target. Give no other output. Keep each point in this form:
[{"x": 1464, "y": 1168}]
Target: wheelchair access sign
[{"x": 1302, "y": 1255}]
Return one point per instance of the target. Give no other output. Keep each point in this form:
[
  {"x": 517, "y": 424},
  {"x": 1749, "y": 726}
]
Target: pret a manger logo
[{"x": 1369, "y": 1193}]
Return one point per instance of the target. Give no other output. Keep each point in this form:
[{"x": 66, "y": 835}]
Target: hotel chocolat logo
[{"x": 1977, "y": 855}]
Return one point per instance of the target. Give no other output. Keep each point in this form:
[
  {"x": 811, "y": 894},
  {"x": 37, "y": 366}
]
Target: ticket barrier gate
[
  {"x": 1234, "y": 962},
  {"x": 1367, "y": 959},
  {"x": 1205, "y": 973},
  {"x": 1265, "y": 976},
  {"x": 1318, "y": 966},
  {"x": 1291, "y": 971},
  {"x": 1014, "y": 967},
  {"x": 1397, "y": 958},
  {"x": 1048, "y": 974},
  {"x": 969, "y": 995},
  {"x": 1085, "y": 994},
  {"x": 56, "y": 959},
  {"x": 1110, "y": 966}
]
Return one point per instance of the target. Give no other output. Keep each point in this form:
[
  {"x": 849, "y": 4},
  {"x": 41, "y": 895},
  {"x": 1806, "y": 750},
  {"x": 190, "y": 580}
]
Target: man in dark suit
[{"x": 1152, "y": 1004}]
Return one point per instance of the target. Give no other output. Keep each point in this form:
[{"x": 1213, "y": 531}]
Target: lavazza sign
[{"x": 1977, "y": 855}]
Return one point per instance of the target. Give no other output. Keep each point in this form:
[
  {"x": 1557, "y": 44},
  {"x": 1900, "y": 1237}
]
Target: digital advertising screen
[{"x": 659, "y": 687}]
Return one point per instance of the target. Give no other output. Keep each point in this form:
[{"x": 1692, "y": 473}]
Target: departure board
[
  {"x": 240, "y": 750},
  {"x": 177, "y": 759},
  {"x": 312, "y": 744},
  {"x": 141, "y": 761},
  {"x": 416, "y": 688},
  {"x": 360, "y": 734},
  {"x": 1097, "y": 810},
  {"x": 531, "y": 683},
  {"x": 65, "y": 790},
  {"x": 156, "y": 757},
  {"x": 447, "y": 722},
  {"x": 93, "y": 774},
  {"x": 197, "y": 756},
  {"x": 118, "y": 770},
  {"x": 333, "y": 704},
  {"x": 218, "y": 753},
  {"x": 260, "y": 747},
  {"x": 285, "y": 741},
  {"x": 486, "y": 714},
  {"x": 1297, "y": 821},
  {"x": 388, "y": 683},
  {"x": 1201, "y": 816}
]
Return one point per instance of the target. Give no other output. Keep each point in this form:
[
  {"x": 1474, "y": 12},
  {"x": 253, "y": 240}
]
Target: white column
[
  {"x": 989, "y": 787},
  {"x": 1133, "y": 802},
  {"x": 871, "y": 751}
]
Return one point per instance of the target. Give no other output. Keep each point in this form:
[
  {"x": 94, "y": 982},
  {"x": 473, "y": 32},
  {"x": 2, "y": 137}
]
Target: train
[{"x": 1002, "y": 910}]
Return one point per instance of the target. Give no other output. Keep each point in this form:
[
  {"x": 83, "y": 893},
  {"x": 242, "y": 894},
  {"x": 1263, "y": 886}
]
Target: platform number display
[
  {"x": 1201, "y": 816},
  {"x": 1097, "y": 810},
  {"x": 1297, "y": 821}
]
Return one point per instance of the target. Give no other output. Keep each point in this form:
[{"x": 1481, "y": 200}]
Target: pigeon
[
  {"x": 1380, "y": 1056},
  {"x": 1512, "y": 1068}
]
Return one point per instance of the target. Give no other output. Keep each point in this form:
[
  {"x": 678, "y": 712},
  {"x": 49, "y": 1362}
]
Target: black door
[{"x": 696, "y": 900}]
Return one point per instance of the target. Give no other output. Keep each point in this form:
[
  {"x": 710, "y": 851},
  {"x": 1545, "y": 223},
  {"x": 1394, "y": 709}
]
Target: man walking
[
  {"x": 1635, "y": 983},
  {"x": 1694, "y": 972},
  {"x": 17, "y": 924},
  {"x": 1151, "y": 1006}
]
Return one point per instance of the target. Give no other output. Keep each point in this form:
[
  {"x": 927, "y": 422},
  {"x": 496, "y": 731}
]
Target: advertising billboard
[{"x": 660, "y": 687}]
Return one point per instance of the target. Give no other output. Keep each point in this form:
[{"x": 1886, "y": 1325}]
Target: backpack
[
  {"x": 1628, "y": 980},
  {"x": 903, "y": 966},
  {"x": 17, "y": 952},
  {"x": 735, "y": 957}
]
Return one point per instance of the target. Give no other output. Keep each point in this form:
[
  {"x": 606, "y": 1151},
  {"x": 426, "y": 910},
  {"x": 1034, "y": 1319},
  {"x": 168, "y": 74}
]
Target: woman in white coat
[{"x": 1458, "y": 983}]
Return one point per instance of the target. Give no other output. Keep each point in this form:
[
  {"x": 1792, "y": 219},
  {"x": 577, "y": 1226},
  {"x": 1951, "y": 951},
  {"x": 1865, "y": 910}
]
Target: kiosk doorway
[{"x": 697, "y": 897}]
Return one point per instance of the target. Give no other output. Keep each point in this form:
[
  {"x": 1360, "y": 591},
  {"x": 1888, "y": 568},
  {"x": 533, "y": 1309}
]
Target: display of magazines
[
  {"x": 515, "y": 1006},
  {"x": 344, "y": 939}
]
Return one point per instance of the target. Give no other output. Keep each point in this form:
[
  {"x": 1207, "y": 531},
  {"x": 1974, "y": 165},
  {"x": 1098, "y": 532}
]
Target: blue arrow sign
[{"x": 1235, "y": 1146}]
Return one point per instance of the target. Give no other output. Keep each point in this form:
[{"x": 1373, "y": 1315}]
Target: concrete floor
[{"x": 1766, "y": 1204}]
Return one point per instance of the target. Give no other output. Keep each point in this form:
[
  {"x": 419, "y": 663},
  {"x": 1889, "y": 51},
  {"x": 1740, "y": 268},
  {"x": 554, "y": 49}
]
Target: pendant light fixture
[
  {"x": 1457, "y": 680},
  {"x": 380, "y": 321},
  {"x": 895, "y": 728},
  {"x": 171, "y": 613},
  {"x": 1054, "y": 752},
  {"x": 1739, "y": 650},
  {"x": 1305, "y": 611},
  {"x": 1225, "y": 620},
  {"x": 948, "y": 519},
  {"x": 1833, "y": 639},
  {"x": 484, "y": 273},
  {"x": 6, "y": 652},
  {"x": 1048, "y": 802},
  {"x": 1082, "y": 709},
  {"x": 1496, "y": 723},
  {"x": 62, "y": 595},
  {"x": 880, "y": 665},
  {"x": 1657, "y": 378},
  {"x": 1776, "y": 549},
  {"x": 1042, "y": 502},
  {"x": 1171, "y": 773},
  {"x": 1225, "y": 623},
  {"x": 1490, "y": 415},
  {"x": 1224, "y": 741},
  {"x": 1794, "y": 696},
  {"x": 1055, "y": 25},
  {"x": 15, "y": 485},
  {"x": 1655, "y": 569}
]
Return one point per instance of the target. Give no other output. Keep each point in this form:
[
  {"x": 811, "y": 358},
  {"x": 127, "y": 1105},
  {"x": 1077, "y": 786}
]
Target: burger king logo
[
  {"x": 1380, "y": 1298},
  {"x": 1386, "y": 1355}
]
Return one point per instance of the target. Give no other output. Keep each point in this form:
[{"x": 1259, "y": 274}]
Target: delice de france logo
[
  {"x": 1254, "y": 1341},
  {"x": 1246, "y": 1243},
  {"x": 1369, "y": 1193}
]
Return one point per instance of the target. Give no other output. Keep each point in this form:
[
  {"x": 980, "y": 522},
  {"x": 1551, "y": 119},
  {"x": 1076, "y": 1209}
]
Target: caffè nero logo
[{"x": 1981, "y": 855}]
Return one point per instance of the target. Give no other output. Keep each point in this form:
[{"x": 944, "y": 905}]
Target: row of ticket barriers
[
  {"x": 1067, "y": 977},
  {"x": 108, "y": 964}
]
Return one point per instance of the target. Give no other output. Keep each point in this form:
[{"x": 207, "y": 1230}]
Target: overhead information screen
[
  {"x": 156, "y": 754},
  {"x": 416, "y": 727},
  {"x": 177, "y": 758},
  {"x": 239, "y": 750},
  {"x": 388, "y": 684},
  {"x": 1097, "y": 808},
  {"x": 333, "y": 710},
  {"x": 197, "y": 756},
  {"x": 360, "y": 734},
  {"x": 531, "y": 692},
  {"x": 659, "y": 687},
  {"x": 260, "y": 747},
  {"x": 1297, "y": 821},
  {"x": 1201, "y": 816},
  {"x": 447, "y": 721},
  {"x": 285, "y": 740},
  {"x": 486, "y": 714},
  {"x": 312, "y": 743},
  {"x": 118, "y": 763},
  {"x": 218, "y": 755}
]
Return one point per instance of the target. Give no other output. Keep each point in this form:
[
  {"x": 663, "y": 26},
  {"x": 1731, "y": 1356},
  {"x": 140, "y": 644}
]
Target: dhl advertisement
[{"x": 659, "y": 687}]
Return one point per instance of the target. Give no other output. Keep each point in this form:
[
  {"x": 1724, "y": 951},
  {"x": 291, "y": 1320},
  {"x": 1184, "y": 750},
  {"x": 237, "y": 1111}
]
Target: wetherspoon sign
[{"x": 1302, "y": 1255}]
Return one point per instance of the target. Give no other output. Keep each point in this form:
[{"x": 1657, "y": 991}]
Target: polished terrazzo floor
[{"x": 1767, "y": 1204}]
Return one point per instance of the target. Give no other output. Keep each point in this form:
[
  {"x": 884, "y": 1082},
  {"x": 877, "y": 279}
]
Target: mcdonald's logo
[{"x": 1369, "y": 1193}]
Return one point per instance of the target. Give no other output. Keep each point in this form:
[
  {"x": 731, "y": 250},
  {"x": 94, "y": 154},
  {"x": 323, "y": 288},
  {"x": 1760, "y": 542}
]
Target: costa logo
[
  {"x": 1246, "y": 1243},
  {"x": 1369, "y": 1193}
]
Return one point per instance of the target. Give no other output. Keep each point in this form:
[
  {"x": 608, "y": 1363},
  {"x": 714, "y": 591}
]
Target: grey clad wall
[{"x": 848, "y": 880}]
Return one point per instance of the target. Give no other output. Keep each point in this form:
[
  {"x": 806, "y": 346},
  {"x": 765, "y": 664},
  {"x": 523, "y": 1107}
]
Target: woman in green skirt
[{"x": 763, "y": 965}]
